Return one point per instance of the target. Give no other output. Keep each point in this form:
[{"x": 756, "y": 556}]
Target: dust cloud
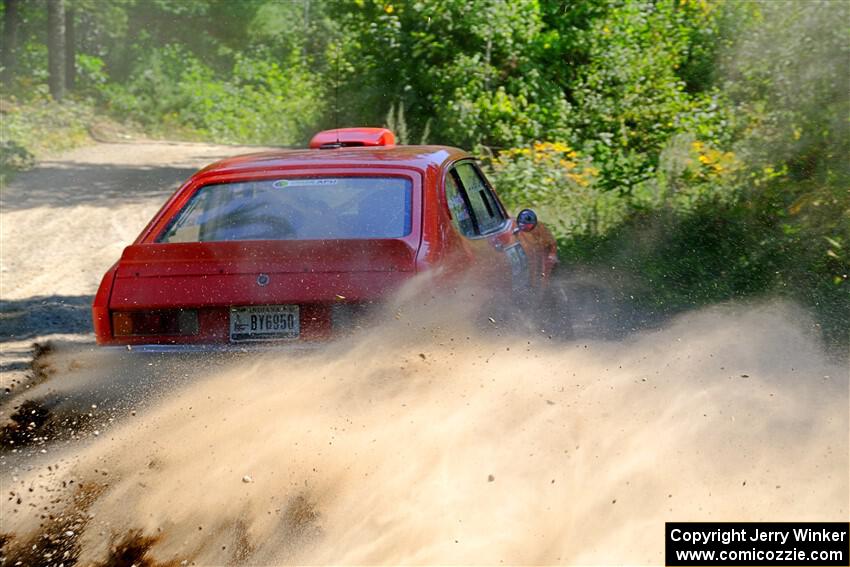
[{"x": 430, "y": 440}]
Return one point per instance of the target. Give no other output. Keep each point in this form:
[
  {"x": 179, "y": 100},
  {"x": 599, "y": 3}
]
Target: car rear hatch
[{"x": 201, "y": 292}]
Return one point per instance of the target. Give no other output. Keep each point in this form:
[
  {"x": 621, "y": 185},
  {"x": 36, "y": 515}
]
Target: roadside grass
[
  {"x": 36, "y": 127},
  {"x": 664, "y": 264}
]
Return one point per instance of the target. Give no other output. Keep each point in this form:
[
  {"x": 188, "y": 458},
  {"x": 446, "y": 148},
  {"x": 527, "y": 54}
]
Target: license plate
[{"x": 264, "y": 323}]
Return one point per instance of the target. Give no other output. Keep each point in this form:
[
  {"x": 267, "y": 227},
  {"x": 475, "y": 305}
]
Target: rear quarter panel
[{"x": 448, "y": 254}]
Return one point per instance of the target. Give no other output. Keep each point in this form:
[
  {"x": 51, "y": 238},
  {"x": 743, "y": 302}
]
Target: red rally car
[{"x": 291, "y": 245}]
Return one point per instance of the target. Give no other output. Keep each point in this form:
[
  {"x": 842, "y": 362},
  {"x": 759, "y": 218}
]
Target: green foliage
[
  {"x": 91, "y": 74},
  {"x": 722, "y": 130},
  {"x": 787, "y": 77},
  {"x": 39, "y": 126},
  {"x": 631, "y": 97},
  {"x": 14, "y": 157},
  {"x": 561, "y": 184},
  {"x": 36, "y": 127},
  {"x": 398, "y": 124},
  {"x": 465, "y": 68},
  {"x": 261, "y": 101}
]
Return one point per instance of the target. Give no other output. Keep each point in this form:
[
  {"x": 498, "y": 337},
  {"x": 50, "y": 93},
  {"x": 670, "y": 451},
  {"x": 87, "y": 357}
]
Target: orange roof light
[{"x": 348, "y": 137}]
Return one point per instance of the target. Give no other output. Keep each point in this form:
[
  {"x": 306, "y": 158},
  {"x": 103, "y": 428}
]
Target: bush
[
  {"x": 14, "y": 157},
  {"x": 260, "y": 101},
  {"x": 39, "y": 126},
  {"x": 561, "y": 184},
  {"x": 633, "y": 96}
]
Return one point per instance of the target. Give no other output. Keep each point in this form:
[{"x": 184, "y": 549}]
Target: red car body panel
[{"x": 210, "y": 278}]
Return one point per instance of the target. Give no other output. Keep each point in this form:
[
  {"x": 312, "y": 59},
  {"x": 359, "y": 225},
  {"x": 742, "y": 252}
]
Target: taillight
[{"x": 160, "y": 322}]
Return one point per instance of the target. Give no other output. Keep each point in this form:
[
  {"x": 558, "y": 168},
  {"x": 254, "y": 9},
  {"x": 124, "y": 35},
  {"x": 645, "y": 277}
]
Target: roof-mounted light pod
[{"x": 352, "y": 137}]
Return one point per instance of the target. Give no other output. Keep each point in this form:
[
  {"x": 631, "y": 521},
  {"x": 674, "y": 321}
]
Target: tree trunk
[
  {"x": 56, "y": 47},
  {"x": 11, "y": 23},
  {"x": 70, "y": 49}
]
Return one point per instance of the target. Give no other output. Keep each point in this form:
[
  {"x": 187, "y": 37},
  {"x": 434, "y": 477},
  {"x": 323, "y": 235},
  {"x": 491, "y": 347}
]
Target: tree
[
  {"x": 56, "y": 47},
  {"x": 11, "y": 23},
  {"x": 70, "y": 49},
  {"x": 463, "y": 68}
]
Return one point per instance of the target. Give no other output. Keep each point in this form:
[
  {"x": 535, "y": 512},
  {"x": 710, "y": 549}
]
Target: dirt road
[{"x": 65, "y": 222}]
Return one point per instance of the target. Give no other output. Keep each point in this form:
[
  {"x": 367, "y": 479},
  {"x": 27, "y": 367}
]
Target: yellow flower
[
  {"x": 389, "y": 9},
  {"x": 578, "y": 179}
]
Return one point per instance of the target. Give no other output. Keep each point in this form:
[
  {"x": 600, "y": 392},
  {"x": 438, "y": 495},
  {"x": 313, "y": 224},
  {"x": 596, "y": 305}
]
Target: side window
[
  {"x": 188, "y": 225},
  {"x": 488, "y": 215},
  {"x": 457, "y": 206}
]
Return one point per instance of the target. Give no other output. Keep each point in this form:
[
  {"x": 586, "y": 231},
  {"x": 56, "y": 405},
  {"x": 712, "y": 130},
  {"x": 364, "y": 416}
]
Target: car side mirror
[{"x": 526, "y": 221}]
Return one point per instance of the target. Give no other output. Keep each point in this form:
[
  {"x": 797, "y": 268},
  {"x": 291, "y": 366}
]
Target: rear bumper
[{"x": 229, "y": 348}]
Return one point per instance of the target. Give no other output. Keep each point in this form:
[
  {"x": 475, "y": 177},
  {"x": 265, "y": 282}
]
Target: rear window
[{"x": 295, "y": 209}]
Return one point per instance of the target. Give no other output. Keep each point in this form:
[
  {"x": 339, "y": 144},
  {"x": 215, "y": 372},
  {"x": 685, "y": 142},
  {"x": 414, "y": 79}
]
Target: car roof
[{"x": 416, "y": 157}]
